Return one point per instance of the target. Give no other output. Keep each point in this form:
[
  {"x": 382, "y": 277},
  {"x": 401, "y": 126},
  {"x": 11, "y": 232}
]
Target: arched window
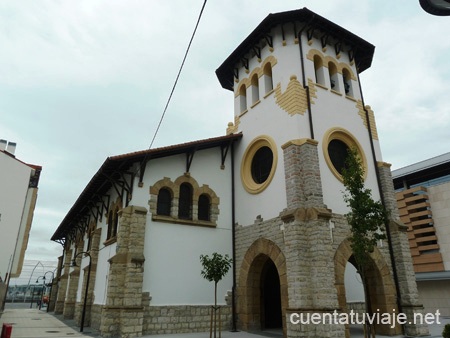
[
  {"x": 268, "y": 82},
  {"x": 333, "y": 73},
  {"x": 347, "y": 82},
  {"x": 243, "y": 98},
  {"x": 204, "y": 208},
  {"x": 115, "y": 222},
  {"x": 185, "y": 201},
  {"x": 164, "y": 203},
  {"x": 318, "y": 69},
  {"x": 109, "y": 234},
  {"x": 255, "y": 89}
]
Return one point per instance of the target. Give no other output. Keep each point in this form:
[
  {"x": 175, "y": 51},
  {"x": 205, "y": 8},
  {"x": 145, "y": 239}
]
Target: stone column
[
  {"x": 62, "y": 284},
  {"x": 69, "y": 304},
  {"x": 95, "y": 246},
  {"x": 409, "y": 295},
  {"x": 124, "y": 312},
  {"x": 308, "y": 246}
]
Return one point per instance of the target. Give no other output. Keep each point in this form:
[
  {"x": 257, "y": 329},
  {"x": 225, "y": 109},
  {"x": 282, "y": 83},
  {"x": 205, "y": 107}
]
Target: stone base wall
[
  {"x": 96, "y": 316},
  {"x": 357, "y": 307},
  {"x": 182, "y": 319}
]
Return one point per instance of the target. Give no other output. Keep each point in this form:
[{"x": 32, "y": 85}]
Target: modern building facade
[
  {"x": 423, "y": 197},
  {"x": 268, "y": 193},
  {"x": 18, "y": 194}
]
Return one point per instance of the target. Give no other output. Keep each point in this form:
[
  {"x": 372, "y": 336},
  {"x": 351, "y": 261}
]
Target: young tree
[
  {"x": 214, "y": 269},
  {"x": 366, "y": 218}
]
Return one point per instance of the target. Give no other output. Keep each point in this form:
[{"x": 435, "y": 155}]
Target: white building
[
  {"x": 18, "y": 194},
  {"x": 269, "y": 193},
  {"x": 423, "y": 195}
]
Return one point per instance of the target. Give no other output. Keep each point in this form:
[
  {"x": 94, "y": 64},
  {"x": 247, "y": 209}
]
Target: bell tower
[{"x": 299, "y": 105}]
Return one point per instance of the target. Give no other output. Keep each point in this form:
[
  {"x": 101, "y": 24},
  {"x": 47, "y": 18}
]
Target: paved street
[{"x": 35, "y": 323}]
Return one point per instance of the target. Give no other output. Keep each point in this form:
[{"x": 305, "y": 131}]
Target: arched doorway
[
  {"x": 382, "y": 295},
  {"x": 271, "y": 317},
  {"x": 262, "y": 288}
]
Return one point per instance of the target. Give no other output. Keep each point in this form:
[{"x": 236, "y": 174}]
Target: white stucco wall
[
  {"x": 14, "y": 180},
  {"x": 172, "y": 251},
  {"x": 329, "y": 110}
]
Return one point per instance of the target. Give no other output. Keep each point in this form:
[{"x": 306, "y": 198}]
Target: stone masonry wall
[
  {"x": 123, "y": 314},
  {"x": 409, "y": 294}
]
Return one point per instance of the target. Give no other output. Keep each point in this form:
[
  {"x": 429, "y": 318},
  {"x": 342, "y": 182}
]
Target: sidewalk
[{"x": 34, "y": 323}]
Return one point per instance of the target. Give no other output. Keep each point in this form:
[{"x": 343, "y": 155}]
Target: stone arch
[
  {"x": 343, "y": 66},
  {"x": 249, "y": 287},
  {"x": 382, "y": 294},
  {"x": 186, "y": 179}
]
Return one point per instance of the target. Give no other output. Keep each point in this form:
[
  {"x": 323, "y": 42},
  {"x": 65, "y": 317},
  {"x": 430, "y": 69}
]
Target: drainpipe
[
  {"x": 311, "y": 128},
  {"x": 388, "y": 232},
  {"x": 233, "y": 243}
]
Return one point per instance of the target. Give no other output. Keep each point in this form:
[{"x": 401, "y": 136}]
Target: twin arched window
[
  {"x": 333, "y": 75},
  {"x": 113, "y": 221},
  {"x": 185, "y": 200}
]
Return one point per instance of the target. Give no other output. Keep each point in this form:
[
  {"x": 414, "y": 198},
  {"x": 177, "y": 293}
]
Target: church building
[{"x": 269, "y": 193}]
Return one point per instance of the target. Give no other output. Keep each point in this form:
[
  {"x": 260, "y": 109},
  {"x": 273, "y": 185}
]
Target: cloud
[{"x": 80, "y": 81}]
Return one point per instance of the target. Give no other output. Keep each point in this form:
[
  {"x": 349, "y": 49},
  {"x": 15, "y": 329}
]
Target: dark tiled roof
[
  {"x": 363, "y": 49},
  {"x": 100, "y": 183}
]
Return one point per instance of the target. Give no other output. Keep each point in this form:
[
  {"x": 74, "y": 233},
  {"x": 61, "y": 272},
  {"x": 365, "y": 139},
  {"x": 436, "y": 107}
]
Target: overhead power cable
[{"x": 178, "y": 75}]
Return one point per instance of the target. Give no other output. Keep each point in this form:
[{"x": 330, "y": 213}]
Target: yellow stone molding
[
  {"x": 362, "y": 114},
  {"x": 351, "y": 142},
  {"x": 293, "y": 100},
  {"x": 300, "y": 142},
  {"x": 246, "y": 165}
]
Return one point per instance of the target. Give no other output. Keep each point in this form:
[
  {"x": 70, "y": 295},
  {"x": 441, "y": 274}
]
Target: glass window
[
  {"x": 185, "y": 201},
  {"x": 338, "y": 152},
  {"x": 262, "y": 164},
  {"x": 204, "y": 207},
  {"x": 164, "y": 203}
]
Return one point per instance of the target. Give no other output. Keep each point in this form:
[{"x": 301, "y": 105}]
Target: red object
[{"x": 6, "y": 331}]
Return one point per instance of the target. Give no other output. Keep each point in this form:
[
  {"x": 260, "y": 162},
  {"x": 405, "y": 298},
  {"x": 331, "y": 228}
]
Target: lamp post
[
  {"x": 42, "y": 290},
  {"x": 51, "y": 287},
  {"x": 74, "y": 263}
]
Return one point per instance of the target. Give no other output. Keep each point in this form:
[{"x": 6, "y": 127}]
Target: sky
[{"x": 84, "y": 80}]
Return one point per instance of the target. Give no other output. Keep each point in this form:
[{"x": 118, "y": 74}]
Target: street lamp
[
  {"x": 51, "y": 287},
  {"x": 42, "y": 290},
  {"x": 74, "y": 263}
]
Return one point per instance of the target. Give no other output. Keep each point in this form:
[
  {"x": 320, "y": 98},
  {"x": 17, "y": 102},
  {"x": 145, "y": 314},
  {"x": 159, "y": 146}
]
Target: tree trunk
[{"x": 215, "y": 308}]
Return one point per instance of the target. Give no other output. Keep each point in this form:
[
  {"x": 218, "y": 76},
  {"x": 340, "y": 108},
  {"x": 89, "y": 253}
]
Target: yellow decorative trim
[
  {"x": 284, "y": 43},
  {"x": 232, "y": 128},
  {"x": 312, "y": 90},
  {"x": 294, "y": 99},
  {"x": 335, "y": 92},
  {"x": 300, "y": 142},
  {"x": 320, "y": 86},
  {"x": 338, "y": 56},
  {"x": 327, "y": 58},
  {"x": 244, "y": 82},
  {"x": 350, "y": 98},
  {"x": 310, "y": 42},
  {"x": 269, "y": 93},
  {"x": 351, "y": 142},
  {"x": 382, "y": 164},
  {"x": 257, "y": 70},
  {"x": 296, "y": 41},
  {"x": 255, "y": 104},
  {"x": 246, "y": 166},
  {"x": 324, "y": 49},
  {"x": 362, "y": 114}
]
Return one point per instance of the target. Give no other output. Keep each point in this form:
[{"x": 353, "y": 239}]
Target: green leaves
[
  {"x": 216, "y": 267},
  {"x": 367, "y": 217}
]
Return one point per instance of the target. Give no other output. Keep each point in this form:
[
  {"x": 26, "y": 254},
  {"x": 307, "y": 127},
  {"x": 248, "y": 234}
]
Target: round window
[
  {"x": 338, "y": 151},
  {"x": 262, "y": 164},
  {"x": 258, "y": 164},
  {"x": 336, "y": 144}
]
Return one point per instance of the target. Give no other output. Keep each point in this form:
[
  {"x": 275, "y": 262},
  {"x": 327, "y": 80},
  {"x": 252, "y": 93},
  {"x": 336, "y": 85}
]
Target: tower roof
[{"x": 363, "y": 50}]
